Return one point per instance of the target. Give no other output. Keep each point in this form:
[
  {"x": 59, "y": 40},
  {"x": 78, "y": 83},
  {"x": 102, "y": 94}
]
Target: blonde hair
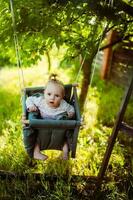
[{"x": 53, "y": 79}]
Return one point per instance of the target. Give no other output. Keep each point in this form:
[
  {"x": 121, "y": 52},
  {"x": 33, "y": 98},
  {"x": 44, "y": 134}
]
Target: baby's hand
[
  {"x": 32, "y": 109},
  {"x": 23, "y": 119},
  {"x": 70, "y": 114}
]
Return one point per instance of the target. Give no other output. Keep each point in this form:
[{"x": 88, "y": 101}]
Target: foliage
[
  {"x": 73, "y": 23},
  {"x": 79, "y": 25},
  {"x": 109, "y": 105}
]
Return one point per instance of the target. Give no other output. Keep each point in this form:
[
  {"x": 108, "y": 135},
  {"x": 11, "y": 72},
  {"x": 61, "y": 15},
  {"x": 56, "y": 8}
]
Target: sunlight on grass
[
  {"x": 92, "y": 139},
  {"x": 91, "y": 107},
  {"x": 12, "y": 133}
]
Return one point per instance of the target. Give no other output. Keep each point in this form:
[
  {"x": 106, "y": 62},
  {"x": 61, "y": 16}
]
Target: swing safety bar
[{"x": 34, "y": 122}]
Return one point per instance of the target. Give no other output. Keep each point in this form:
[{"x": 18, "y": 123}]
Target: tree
[{"x": 78, "y": 24}]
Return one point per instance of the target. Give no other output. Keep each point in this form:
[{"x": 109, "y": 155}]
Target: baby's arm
[
  {"x": 69, "y": 109},
  {"x": 70, "y": 114},
  {"x": 31, "y": 104},
  {"x": 32, "y": 108}
]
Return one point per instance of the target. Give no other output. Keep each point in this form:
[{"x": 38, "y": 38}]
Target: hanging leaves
[{"x": 77, "y": 24}]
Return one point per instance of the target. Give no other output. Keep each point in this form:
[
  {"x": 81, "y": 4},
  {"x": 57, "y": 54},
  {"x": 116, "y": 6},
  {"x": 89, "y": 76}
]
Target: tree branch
[
  {"x": 123, "y": 6},
  {"x": 116, "y": 42}
]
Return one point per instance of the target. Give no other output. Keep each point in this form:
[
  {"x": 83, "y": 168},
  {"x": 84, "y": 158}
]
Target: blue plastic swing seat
[{"x": 48, "y": 133}]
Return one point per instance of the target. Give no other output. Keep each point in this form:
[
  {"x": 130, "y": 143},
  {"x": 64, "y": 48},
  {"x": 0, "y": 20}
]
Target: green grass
[{"x": 99, "y": 116}]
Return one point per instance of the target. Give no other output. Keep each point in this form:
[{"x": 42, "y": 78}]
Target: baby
[{"x": 51, "y": 106}]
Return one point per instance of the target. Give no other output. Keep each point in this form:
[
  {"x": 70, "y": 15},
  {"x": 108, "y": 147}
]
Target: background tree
[{"x": 80, "y": 25}]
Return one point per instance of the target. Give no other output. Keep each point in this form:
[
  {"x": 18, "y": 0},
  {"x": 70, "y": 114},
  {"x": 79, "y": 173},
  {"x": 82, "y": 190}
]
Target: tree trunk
[{"x": 86, "y": 69}]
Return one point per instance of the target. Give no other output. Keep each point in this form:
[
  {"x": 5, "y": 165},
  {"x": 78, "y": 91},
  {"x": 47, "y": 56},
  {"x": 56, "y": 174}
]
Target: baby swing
[{"x": 51, "y": 133}]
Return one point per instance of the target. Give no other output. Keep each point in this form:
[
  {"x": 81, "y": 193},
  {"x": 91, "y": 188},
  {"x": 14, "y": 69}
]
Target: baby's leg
[
  {"x": 37, "y": 154},
  {"x": 65, "y": 151}
]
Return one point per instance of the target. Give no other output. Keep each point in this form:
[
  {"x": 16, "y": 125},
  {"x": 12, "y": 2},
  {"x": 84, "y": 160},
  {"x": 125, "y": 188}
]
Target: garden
[{"x": 73, "y": 56}]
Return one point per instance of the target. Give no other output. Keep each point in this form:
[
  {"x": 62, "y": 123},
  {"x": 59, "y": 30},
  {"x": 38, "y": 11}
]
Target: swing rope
[
  {"x": 20, "y": 71},
  {"x": 94, "y": 68},
  {"x": 77, "y": 77}
]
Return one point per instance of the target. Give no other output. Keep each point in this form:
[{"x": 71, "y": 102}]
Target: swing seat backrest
[{"x": 50, "y": 134}]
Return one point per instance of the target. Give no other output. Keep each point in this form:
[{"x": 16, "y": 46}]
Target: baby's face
[{"x": 53, "y": 95}]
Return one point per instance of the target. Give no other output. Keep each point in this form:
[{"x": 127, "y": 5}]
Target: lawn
[{"x": 54, "y": 178}]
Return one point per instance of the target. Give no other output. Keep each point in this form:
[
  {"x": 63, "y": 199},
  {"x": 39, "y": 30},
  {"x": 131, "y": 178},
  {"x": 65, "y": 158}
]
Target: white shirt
[{"x": 45, "y": 110}]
